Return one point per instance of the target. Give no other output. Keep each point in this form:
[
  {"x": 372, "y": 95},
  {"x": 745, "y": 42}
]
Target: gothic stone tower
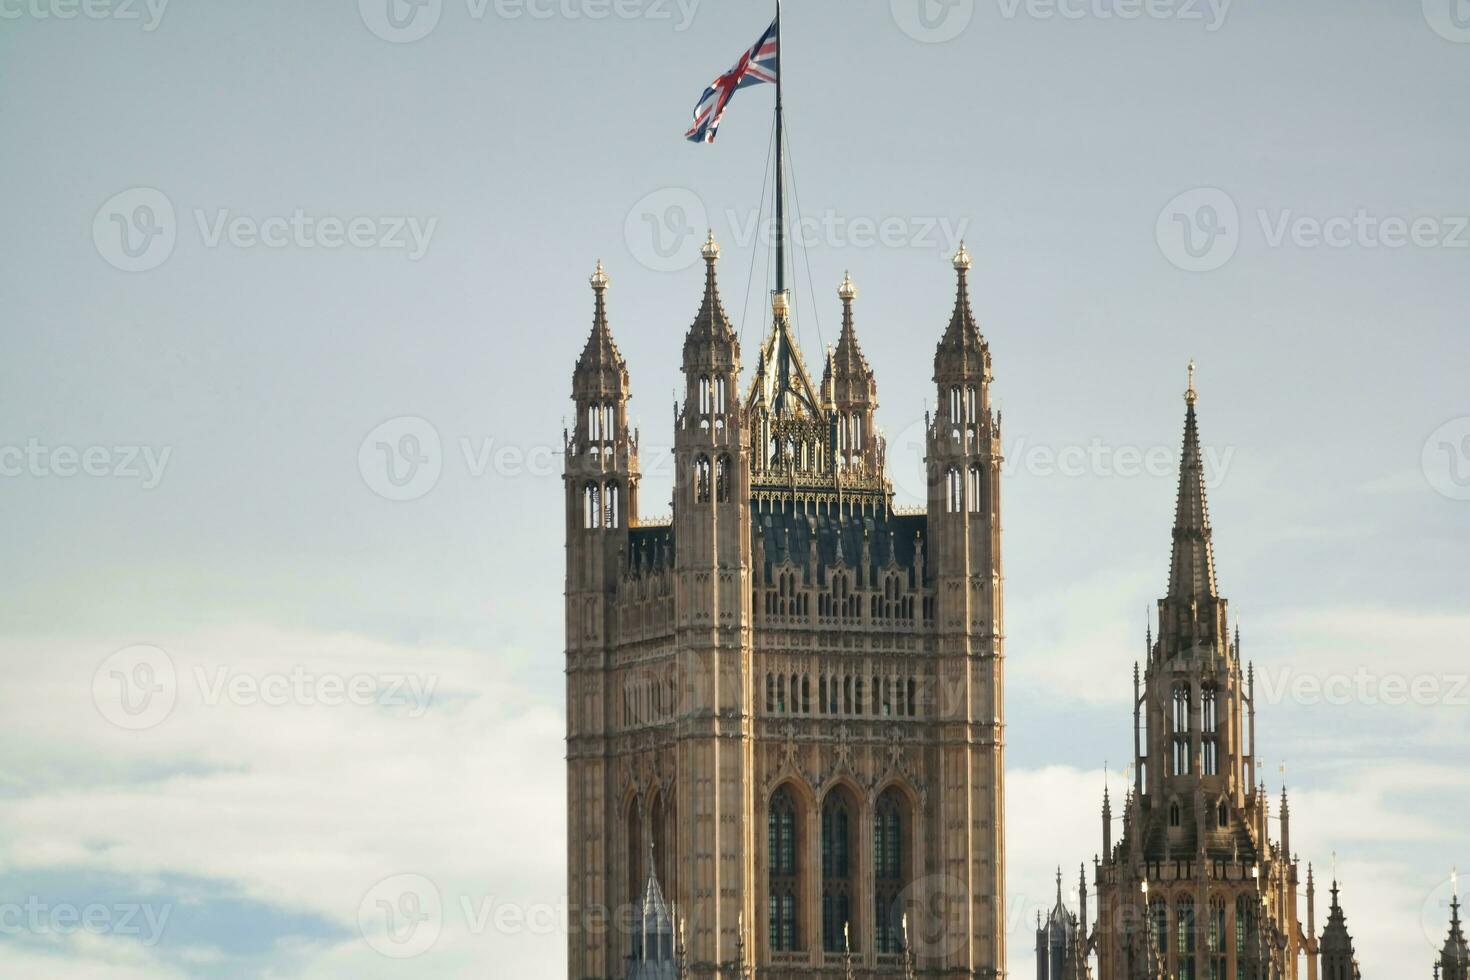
[
  {"x": 785, "y": 701},
  {"x": 1196, "y": 888}
]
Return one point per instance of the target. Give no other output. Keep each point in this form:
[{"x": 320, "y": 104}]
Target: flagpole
[{"x": 780, "y": 165}]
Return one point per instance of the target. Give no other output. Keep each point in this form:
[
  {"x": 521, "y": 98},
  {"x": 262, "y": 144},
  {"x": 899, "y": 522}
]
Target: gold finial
[
  {"x": 711, "y": 249},
  {"x": 599, "y": 278},
  {"x": 847, "y": 290},
  {"x": 780, "y": 304},
  {"x": 1190, "y": 395},
  {"x": 962, "y": 258}
]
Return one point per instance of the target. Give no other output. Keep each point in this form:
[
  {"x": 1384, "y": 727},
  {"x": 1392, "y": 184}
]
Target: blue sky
[{"x": 338, "y": 236}]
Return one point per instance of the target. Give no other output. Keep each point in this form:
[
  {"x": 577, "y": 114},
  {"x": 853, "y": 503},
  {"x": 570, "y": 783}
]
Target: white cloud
[{"x": 301, "y": 807}]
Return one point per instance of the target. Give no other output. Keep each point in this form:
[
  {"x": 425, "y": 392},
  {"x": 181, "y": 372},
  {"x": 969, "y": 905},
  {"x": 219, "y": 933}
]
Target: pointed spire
[
  {"x": 848, "y": 376},
  {"x": 963, "y": 332},
  {"x": 601, "y": 367},
  {"x": 710, "y": 340},
  {"x": 1192, "y": 567}
]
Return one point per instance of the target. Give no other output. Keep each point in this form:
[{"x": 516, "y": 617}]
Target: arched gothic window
[
  {"x": 611, "y": 505},
  {"x": 722, "y": 479},
  {"x": 784, "y": 883},
  {"x": 973, "y": 493},
  {"x": 592, "y": 506},
  {"x": 1159, "y": 912},
  {"x": 956, "y": 491},
  {"x": 1185, "y": 938},
  {"x": 701, "y": 479},
  {"x": 890, "y": 869},
  {"x": 838, "y": 821},
  {"x": 1183, "y": 757}
]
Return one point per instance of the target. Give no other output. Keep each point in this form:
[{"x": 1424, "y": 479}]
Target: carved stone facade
[{"x": 790, "y": 693}]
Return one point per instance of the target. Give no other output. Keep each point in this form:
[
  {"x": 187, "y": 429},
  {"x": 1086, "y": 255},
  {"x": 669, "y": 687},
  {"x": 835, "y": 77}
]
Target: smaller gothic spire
[
  {"x": 963, "y": 333},
  {"x": 601, "y": 369},
  {"x": 711, "y": 341},
  {"x": 848, "y": 378}
]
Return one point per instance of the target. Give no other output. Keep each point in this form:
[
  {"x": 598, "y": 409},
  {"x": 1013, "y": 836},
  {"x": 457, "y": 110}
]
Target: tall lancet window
[
  {"x": 701, "y": 479},
  {"x": 1217, "y": 962},
  {"x": 1181, "y": 745},
  {"x": 890, "y": 863},
  {"x": 1210, "y": 728},
  {"x": 781, "y": 848},
  {"x": 1185, "y": 939},
  {"x": 611, "y": 500},
  {"x": 956, "y": 489},
  {"x": 592, "y": 506},
  {"x": 722, "y": 479},
  {"x": 838, "y": 822}
]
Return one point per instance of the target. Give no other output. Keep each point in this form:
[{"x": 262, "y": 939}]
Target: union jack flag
[{"x": 761, "y": 63}]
